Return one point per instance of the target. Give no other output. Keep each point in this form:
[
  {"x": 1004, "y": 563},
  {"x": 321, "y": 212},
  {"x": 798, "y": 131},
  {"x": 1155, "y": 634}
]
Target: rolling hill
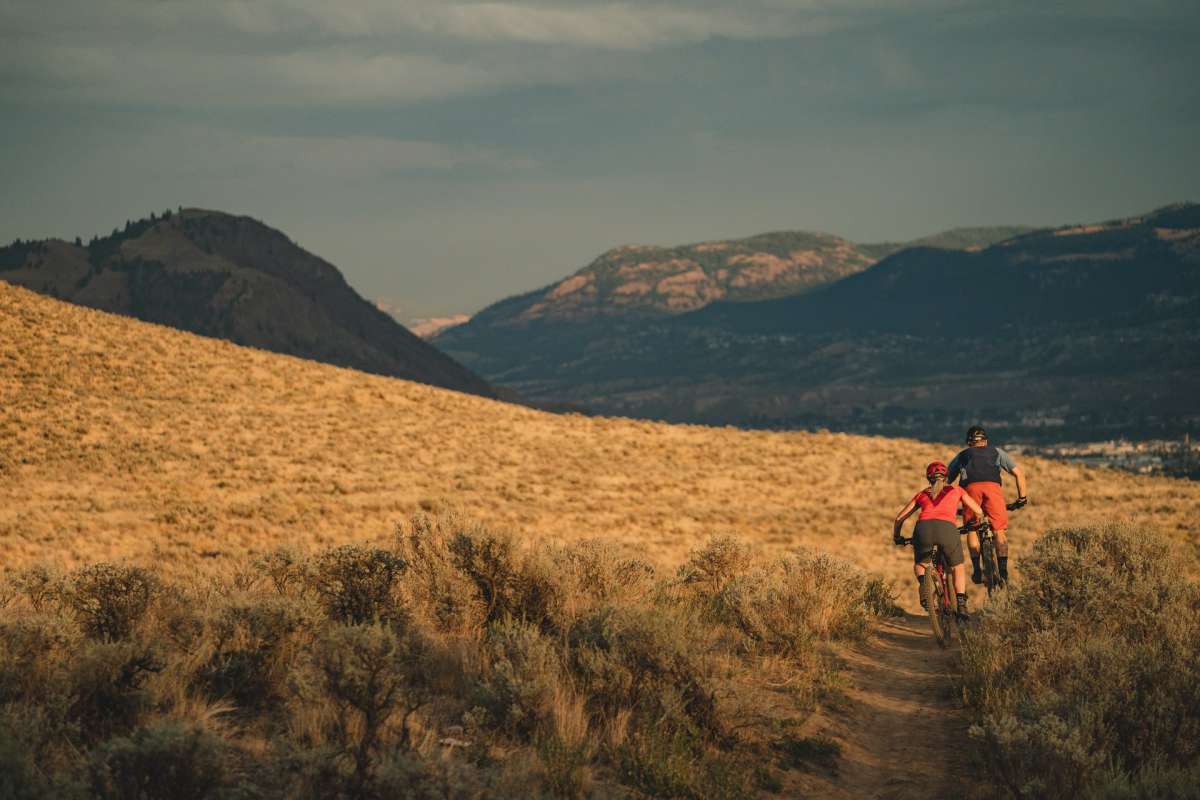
[
  {"x": 1079, "y": 332},
  {"x": 232, "y": 278},
  {"x": 127, "y": 440},
  {"x": 266, "y": 621}
]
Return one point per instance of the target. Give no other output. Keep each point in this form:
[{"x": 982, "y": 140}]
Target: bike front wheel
[{"x": 991, "y": 567}]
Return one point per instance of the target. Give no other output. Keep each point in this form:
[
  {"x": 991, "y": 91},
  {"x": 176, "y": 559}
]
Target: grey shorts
[{"x": 940, "y": 532}]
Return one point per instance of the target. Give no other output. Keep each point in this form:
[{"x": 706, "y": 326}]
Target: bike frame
[{"x": 938, "y": 561}]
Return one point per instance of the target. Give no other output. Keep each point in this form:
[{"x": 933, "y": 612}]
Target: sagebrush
[{"x": 453, "y": 661}]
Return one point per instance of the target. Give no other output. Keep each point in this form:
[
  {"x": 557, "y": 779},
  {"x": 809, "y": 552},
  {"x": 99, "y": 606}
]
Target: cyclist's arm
[
  {"x": 1020, "y": 476},
  {"x": 970, "y": 503},
  {"x": 1007, "y": 464},
  {"x": 904, "y": 514},
  {"x": 953, "y": 470}
]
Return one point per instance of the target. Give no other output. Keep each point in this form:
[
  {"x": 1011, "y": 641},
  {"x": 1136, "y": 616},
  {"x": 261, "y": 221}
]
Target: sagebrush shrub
[
  {"x": 38, "y": 584},
  {"x": 19, "y": 779},
  {"x": 282, "y": 567},
  {"x": 250, "y": 648},
  {"x": 355, "y": 582},
  {"x": 165, "y": 761},
  {"x": 369, "y": 673},
  {"x": 715, "y": 564},
  {"x": 108, "y": 687},
  {"x": 510, "y": 583},
  {"x": 519, "y": 685},
  {"x": 110, "y": 599},
  {"x": 1088, "y": 668},
  {"x": 639, "y": 658},
  {"x": 787, "y": 604},
  {"x": 435, "y": 586}
]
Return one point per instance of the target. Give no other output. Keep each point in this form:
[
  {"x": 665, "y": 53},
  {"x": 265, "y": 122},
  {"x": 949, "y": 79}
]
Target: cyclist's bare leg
[
  {"x": 973, "y": 543},
  {"x": 918, "y": 570},
  {"x": 1001, "y": 543},
  {"x": 960, "y": 578}
]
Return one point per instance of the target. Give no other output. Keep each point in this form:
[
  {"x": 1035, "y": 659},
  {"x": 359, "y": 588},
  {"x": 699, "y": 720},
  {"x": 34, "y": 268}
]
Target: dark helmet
[
  {"x": 934, "y": 469},
  {"x": 976, "y": 433}
]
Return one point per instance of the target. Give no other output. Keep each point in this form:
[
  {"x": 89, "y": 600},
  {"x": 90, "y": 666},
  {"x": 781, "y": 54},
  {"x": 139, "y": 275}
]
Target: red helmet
[{"x": 936, "y": 468}]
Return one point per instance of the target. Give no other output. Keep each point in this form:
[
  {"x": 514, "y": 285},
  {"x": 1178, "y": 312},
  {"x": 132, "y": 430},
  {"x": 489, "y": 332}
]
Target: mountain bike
[
  {"x": 988, "y": 554},
  {"x": 937, "y": 590}
]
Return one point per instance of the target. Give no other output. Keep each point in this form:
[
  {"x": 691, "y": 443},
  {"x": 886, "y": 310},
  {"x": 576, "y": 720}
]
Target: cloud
[
  {"x": 376, "y": 53},
  {"x": 237, "y": 53}
]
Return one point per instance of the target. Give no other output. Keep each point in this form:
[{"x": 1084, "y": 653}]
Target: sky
[{"x": 446, "y": 154}]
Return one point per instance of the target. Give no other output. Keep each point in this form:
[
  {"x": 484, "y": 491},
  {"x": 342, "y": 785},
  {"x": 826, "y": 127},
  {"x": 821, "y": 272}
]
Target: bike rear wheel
[
  {"x": 931, "y": 592},
  {"x": 946, "y": 607}
]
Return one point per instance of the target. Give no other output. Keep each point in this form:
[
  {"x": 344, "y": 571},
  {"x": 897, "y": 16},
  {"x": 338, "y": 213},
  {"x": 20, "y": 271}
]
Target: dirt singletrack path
[{"x": 903, "y": 728}]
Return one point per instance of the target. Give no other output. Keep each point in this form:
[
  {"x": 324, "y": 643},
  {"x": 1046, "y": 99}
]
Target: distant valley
[{"x": 1071, "y": 333}]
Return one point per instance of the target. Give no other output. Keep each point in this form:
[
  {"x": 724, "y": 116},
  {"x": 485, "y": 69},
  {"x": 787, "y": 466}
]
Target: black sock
[
  {"x": 962, "y": 600},
  {"x": 920, "y": 580},
  {"x": 1003, "y": 567},
  {"x": 975, "y": 562}
]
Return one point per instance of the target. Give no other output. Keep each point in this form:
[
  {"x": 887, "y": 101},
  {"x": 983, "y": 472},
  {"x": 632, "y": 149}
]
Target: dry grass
[
  {"x": 262, "y": 627},
  {"x": 126, "y": 441},
  {"x": 451, "y": 662}
]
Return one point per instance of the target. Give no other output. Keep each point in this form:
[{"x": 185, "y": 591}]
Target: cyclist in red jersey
[{"x": 935, "y": 525}]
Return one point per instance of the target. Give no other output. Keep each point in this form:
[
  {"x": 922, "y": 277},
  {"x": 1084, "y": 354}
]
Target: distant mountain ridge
[
  {"x": 1081, "y": 331},
  {"x": 234, "y": 278},
  {"x": 649, "y": 280}
]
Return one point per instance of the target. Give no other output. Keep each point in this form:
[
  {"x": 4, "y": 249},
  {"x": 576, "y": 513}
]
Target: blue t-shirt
[{"x": 977, "y": 464}]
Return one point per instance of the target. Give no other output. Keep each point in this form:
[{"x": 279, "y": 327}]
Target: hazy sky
[{"x": 446, "y": 154}]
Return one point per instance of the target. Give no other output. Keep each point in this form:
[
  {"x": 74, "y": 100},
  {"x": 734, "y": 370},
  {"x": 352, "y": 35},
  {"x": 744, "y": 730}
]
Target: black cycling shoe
[
  {"x": 962, "y": 614},
  {"x": 977, "y": 577},
  {"x": 924, "y": 602}
]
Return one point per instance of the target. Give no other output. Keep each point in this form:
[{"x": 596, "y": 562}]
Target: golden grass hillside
[{"x": 122, "y": 440}]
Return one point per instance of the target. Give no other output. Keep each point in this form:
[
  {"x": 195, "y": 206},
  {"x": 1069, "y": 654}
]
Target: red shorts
[{"x": 990, "y": 497}]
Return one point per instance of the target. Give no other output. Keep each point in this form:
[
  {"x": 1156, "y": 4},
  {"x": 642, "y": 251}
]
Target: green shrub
[
  {"x": 369, "y": 673},
  {"x": 673, "y": 762},
  {"x": 282, "y": 567},
  {"x": 518, "y": 687},
  {"x": 108, "y": 688},
  {"x": 249, "y": 659},
  {"x": 109, "y": 599},
  {"x": 1088, "y": 667},
  {"x": 166, "y": 761},
  {"x": 355, "y": 583},
  {"x": 639, "y": 658},
  {"x": 39, "y": 585},
  {"x": 715, "y": 565},
  {"x": 510, "y": 584},
  {"x": 597, "y": 571},
  {"x": 786, "y": 605},
  {"x": 565, "y": 765},
  {"x": 18, "y": 779},
  {"x": 435, "y": 586}
]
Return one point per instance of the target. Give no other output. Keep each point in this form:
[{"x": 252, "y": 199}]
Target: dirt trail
[{"x": 903, "y": 729}]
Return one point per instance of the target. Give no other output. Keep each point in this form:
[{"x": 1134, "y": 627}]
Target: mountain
[
  {"x": 429, "y": 327},
  {"x": 1087, "y": 331},
  {"x": 233, "y": 278},
  {"x": 626, "y": 287},
  {"x": 971, "y": 238}
]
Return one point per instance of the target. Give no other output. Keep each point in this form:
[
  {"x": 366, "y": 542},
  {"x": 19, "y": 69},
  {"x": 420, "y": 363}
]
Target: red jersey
[{"x": 944, "y": 506}]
